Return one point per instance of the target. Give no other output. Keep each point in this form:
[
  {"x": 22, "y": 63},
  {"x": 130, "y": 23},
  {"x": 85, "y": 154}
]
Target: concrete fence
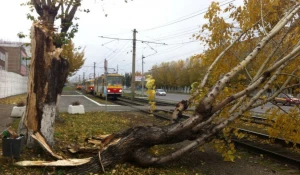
[{"x": 12, "y": 84}]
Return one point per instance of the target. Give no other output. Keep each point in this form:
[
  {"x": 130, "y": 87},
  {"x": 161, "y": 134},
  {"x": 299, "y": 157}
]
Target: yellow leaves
[
  {"x": 238, "y": 134},
  {"x": 229, "y": 157},
  {"x": 150, "y": 82},
  {"x": 75, "y": 58},
  {"x": 152, "y": 106},
  {"x": 226, "y": 131},
  {"x": 226, "y": 90},
  {"x": 151, "y": 92},
  {"x": 285, "y": 125},
  {"x": 226, "y": 149},
  {"x": 194, "y": 87},
  {"x": 242, "y": 77}
]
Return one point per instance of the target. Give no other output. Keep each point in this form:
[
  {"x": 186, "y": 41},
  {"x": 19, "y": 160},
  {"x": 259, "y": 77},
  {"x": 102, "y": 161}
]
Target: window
[{"x": 2, "y": 56}]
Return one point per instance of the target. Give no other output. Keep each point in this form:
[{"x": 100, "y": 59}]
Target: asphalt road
[
  {"x": 68, "y": 97},
  {"x": 174, "y": 97}
]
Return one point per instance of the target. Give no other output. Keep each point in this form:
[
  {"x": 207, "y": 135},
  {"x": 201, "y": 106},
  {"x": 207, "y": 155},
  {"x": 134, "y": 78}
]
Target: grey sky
[{"x": 151, "y": 18}]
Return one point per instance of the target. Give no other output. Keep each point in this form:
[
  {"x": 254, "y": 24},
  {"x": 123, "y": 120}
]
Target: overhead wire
[{"x": 197, "y": 13}]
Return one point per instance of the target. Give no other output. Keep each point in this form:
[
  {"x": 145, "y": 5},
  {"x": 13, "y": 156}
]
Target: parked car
[
  {"x": 160, "y": 92},
  {"x": 287, "y": 99}
]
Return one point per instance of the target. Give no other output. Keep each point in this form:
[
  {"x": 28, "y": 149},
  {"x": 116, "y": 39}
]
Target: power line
[
  {"x": 200, "y": 12},
  {"x": 131, "y": 39}
]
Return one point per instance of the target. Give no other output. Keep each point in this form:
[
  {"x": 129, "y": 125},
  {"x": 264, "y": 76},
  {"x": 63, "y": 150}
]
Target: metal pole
[
  {"x": 94, "y": 70},
  {"x": 143, "y": 75},
  {"x": 105, "y": 82},
  {"x": 133, "y": 65}
]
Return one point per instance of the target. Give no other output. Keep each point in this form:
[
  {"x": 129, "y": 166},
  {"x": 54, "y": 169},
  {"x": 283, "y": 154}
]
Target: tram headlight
[
  {"x": 120, "y": 90},
  {"x": 108, "y": 90}
]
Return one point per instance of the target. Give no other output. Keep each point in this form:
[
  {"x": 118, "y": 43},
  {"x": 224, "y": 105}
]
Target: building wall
[
  {"x": 12, "y": 84},
  {"x": 14, "y": 59},
  {"x": 3, "y": 58}
]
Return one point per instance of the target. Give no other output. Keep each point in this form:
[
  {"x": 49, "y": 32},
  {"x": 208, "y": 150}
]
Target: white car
[{"x": 160, "y": 92}]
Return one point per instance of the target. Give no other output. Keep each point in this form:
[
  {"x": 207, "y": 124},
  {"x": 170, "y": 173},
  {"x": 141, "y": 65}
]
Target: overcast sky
[{"x": 162, "y": 21}]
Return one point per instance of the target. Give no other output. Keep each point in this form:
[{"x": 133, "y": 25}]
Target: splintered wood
[{"x": 66, "y": 162}]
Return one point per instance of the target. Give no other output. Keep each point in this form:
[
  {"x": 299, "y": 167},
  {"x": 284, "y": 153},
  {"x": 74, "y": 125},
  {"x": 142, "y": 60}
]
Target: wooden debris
[
  {"x": 66, "y": 162},
  {"x": 101, "y": 137},
  {"x": 95, "y": 142},
  {"x": 38, "y": 137},
  {"x": 82, "y": 149},
  {"x": 13, "y": 134}
]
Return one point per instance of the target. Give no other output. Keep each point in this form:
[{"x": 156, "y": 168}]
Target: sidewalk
[{"x": 5, "y": 119}]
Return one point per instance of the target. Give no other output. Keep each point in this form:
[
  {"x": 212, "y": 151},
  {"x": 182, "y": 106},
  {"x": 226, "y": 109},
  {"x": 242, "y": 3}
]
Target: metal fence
[{"x": 12, "y": 84}]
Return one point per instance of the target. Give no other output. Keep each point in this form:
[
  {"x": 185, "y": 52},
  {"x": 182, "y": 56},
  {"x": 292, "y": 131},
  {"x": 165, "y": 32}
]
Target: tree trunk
[
  {"x": 46, "y": 79},
  {"x": 132, "y": 145}
]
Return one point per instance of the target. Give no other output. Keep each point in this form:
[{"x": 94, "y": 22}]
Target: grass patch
[
  {"x": 68, "y": 88},
  {"x": 13, "y": 99},
  {"x": 76, "y": 128}
]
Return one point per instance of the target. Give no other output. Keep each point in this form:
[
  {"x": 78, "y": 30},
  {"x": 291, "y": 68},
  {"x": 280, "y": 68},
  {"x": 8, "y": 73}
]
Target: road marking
[
  {"x": 99, "y": 104},
  {"x": 79, "y": 92}
]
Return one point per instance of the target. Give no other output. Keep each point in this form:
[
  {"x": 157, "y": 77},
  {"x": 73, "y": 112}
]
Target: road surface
[{"x": 175, "y": 97}]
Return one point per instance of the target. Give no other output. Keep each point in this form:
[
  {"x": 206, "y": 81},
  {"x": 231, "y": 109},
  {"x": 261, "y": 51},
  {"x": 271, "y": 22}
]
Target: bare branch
[
  {"x": 67, "y": 19},
  {"x": 282, "y": 88},
  {"x": 62, "y": 8},
  {"x": 289, "y": 75},
  {"x": 248, "y": 90},
  {"x": 292, "y": 55},
  {"x": 43, "y": 3},
  {"x": 262, "y": 18},
  {"x": 205, "y": 78},
  {"x": 68, "y": 7},
  {"x": 38, "y": 7}
]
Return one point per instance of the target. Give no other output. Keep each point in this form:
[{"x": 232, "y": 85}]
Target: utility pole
[
  {"x": 94, "y": 70},
  {"x": 117, "y": 69},
  {"x": 133, "y": 57},
  {"x": 143, "y": 79},
  {"x": 83, "y": 76},
  {"x": 133, "y": 65},
  {"x": 79, "y": 78}
]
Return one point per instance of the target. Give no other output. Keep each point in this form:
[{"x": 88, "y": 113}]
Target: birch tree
[{"x": 214, "y": 96}]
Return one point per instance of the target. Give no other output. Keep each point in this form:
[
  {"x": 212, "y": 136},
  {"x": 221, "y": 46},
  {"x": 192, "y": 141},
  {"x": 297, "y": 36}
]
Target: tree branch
[
  {"x": 43, "y": 3},
  {"x": 67, "y": 19},
  {"x": 282, "y": 88},
  {"x": 68, "y": 7},
  {"x": 49, "y": 3},
  {"x": 206, "y": 103},
  {"x": 258, "y": 73},
  {"x": 37, "y": 6},
  {"x": 62, "y": 8},
  {"x": 246, "y": 107}
]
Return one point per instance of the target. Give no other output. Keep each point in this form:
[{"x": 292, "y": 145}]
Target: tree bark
[
  {"x": 46, "y": 79},
  {"x": 133, "y": 145}
]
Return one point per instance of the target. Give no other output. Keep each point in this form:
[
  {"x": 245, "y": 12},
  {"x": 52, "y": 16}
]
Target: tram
[
  {"x": 88, "y": 86},
  {"x": 114, "y": 85}
]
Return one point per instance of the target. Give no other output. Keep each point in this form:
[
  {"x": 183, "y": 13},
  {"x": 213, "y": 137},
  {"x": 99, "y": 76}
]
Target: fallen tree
[
  {"x": 211, "y": 113},
  {"x": 218, "y": 100}
]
